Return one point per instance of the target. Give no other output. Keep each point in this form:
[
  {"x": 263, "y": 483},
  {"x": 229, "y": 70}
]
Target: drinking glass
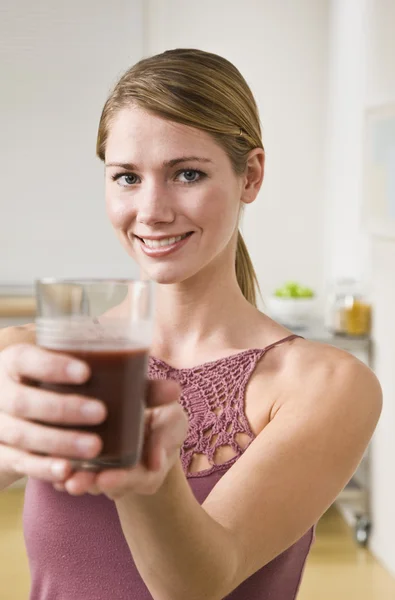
[{"x": 107, "y": 323}]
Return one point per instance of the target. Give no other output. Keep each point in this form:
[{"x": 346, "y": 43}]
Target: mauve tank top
[{"x": 75, "y": 545}]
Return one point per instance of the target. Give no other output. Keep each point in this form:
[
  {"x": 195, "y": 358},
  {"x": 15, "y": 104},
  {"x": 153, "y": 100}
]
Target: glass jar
[{"x": 348, "y": 310}]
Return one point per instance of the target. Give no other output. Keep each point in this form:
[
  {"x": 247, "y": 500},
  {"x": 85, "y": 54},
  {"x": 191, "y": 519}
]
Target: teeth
[{"x": 163, "y": 242}]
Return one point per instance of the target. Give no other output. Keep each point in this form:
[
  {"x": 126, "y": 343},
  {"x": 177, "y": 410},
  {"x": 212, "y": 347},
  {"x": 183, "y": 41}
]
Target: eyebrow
[{"x": 166, "y": 163}]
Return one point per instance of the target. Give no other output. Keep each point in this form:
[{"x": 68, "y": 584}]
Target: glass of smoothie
[{"x": 108, "y": 324}]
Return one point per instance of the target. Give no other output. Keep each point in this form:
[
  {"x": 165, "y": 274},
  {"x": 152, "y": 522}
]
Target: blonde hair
[{"x": 202, "y": 90}]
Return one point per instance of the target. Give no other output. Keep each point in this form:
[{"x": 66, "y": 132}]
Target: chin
[{"x": 167, "y": 275}]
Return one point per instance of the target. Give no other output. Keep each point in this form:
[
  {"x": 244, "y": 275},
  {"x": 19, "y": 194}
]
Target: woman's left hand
[{"x": 165, "y": 431}]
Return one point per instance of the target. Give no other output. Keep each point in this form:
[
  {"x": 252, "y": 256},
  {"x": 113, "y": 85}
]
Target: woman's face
[{"x": 171, "y": 195}]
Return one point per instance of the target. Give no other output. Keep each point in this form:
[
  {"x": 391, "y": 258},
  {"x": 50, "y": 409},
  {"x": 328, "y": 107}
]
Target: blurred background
[{"x": 321, "y": 234}]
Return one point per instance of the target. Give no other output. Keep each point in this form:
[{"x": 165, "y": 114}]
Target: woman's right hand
[{"x": 30, "y": 442}]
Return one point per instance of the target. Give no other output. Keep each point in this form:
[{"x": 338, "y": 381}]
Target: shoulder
[
  {"x": 318, "y": 373},
  {"x": 24, "y": 334}
]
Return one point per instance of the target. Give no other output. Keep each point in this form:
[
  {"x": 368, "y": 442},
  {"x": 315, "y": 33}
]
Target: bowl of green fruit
[{"x": 292, "y": 305}]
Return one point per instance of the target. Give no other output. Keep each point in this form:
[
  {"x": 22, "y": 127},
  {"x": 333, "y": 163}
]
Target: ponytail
[{"x": 245, "y": 272}]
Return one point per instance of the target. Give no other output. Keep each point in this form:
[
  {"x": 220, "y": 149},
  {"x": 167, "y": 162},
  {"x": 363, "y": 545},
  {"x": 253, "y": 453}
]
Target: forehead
[{"x": 135, "y": 133}]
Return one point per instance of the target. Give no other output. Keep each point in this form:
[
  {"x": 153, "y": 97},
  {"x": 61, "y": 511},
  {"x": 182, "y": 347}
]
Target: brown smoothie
[{"x": 119, "y": 379}]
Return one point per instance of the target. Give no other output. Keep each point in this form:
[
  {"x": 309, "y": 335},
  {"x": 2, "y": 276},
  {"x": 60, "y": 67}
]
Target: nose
[{"x": 155, "y": 207}]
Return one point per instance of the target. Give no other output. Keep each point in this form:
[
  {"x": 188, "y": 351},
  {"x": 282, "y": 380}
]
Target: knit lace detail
[{"x": 212, "y": 396}]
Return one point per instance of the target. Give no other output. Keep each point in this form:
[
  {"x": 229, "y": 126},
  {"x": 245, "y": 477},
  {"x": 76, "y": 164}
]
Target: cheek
[
  {"x": 221, "y": 211},
  {"x": 118, "y": 212}
]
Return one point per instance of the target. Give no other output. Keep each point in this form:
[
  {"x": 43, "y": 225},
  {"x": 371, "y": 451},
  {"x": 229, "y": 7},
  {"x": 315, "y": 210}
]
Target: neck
[{"x": 206, "y": 311}]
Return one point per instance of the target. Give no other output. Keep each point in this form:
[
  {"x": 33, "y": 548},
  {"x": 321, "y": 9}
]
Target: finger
[
  {"x": 168, "y": 429},
  {"x": 41, "y": 405},
  {"x": 59, "y": 487},
  {"x": 116, "y": 482},
  {"x": 146, "y": 459},
  {"x": 162, "y": 392},
  {"x": 39, "y": 364},
  {"x": 152, "y": 455},
  {"x": 48, "y": 440},
  {"x": 23, "y": 463},
  {"x": 80, "y": 483},
  {"x": 93, "y": 490}
]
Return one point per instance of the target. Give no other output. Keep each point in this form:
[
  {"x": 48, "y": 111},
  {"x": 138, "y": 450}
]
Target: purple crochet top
[{"x": 75, "y": 545}]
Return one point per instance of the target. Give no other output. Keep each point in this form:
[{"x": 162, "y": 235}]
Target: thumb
[{"x": 162, "y": 392}]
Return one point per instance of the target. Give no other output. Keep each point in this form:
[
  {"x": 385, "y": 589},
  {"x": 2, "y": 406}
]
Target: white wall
[
  {"x": 347, "y": 247},
  {"x": 59, "y": 60},
  {"x": 380, "y": 43},
  {"x": 281, "y": 49}
]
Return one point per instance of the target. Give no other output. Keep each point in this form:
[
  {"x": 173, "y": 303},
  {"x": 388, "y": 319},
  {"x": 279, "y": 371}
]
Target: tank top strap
[
  {"x": 286, "y": 339},
  {"x": 213, "y": 397}
]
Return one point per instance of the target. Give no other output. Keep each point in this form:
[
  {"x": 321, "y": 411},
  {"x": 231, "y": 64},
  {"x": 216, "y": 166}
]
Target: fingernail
[
  {"x": 77, "y": 371},
  {"x": 93, "y": 410},
  {"x": 58, "y": 469}
]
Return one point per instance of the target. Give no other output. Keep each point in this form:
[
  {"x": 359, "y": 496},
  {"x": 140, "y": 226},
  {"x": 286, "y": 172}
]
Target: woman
[{"x": 277, "y": 424}]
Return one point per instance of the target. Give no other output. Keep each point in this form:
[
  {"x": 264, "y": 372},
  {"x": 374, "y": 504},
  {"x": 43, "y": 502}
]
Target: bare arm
[
  {"x": 264, "y": 503},
  {"x": 180, "y": 550}
]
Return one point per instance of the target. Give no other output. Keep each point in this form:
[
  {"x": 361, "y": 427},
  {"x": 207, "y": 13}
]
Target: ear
[{"x": 253, "y": 177}]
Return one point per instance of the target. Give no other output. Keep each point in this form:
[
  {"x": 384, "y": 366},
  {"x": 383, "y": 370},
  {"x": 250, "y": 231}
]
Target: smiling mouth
[{"x": 163, "y": 242}]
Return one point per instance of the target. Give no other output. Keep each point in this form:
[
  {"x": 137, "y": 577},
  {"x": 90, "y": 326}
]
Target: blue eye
[
  {"x": 124, "y": 179},
  {"x": 191, "y": 175}
]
